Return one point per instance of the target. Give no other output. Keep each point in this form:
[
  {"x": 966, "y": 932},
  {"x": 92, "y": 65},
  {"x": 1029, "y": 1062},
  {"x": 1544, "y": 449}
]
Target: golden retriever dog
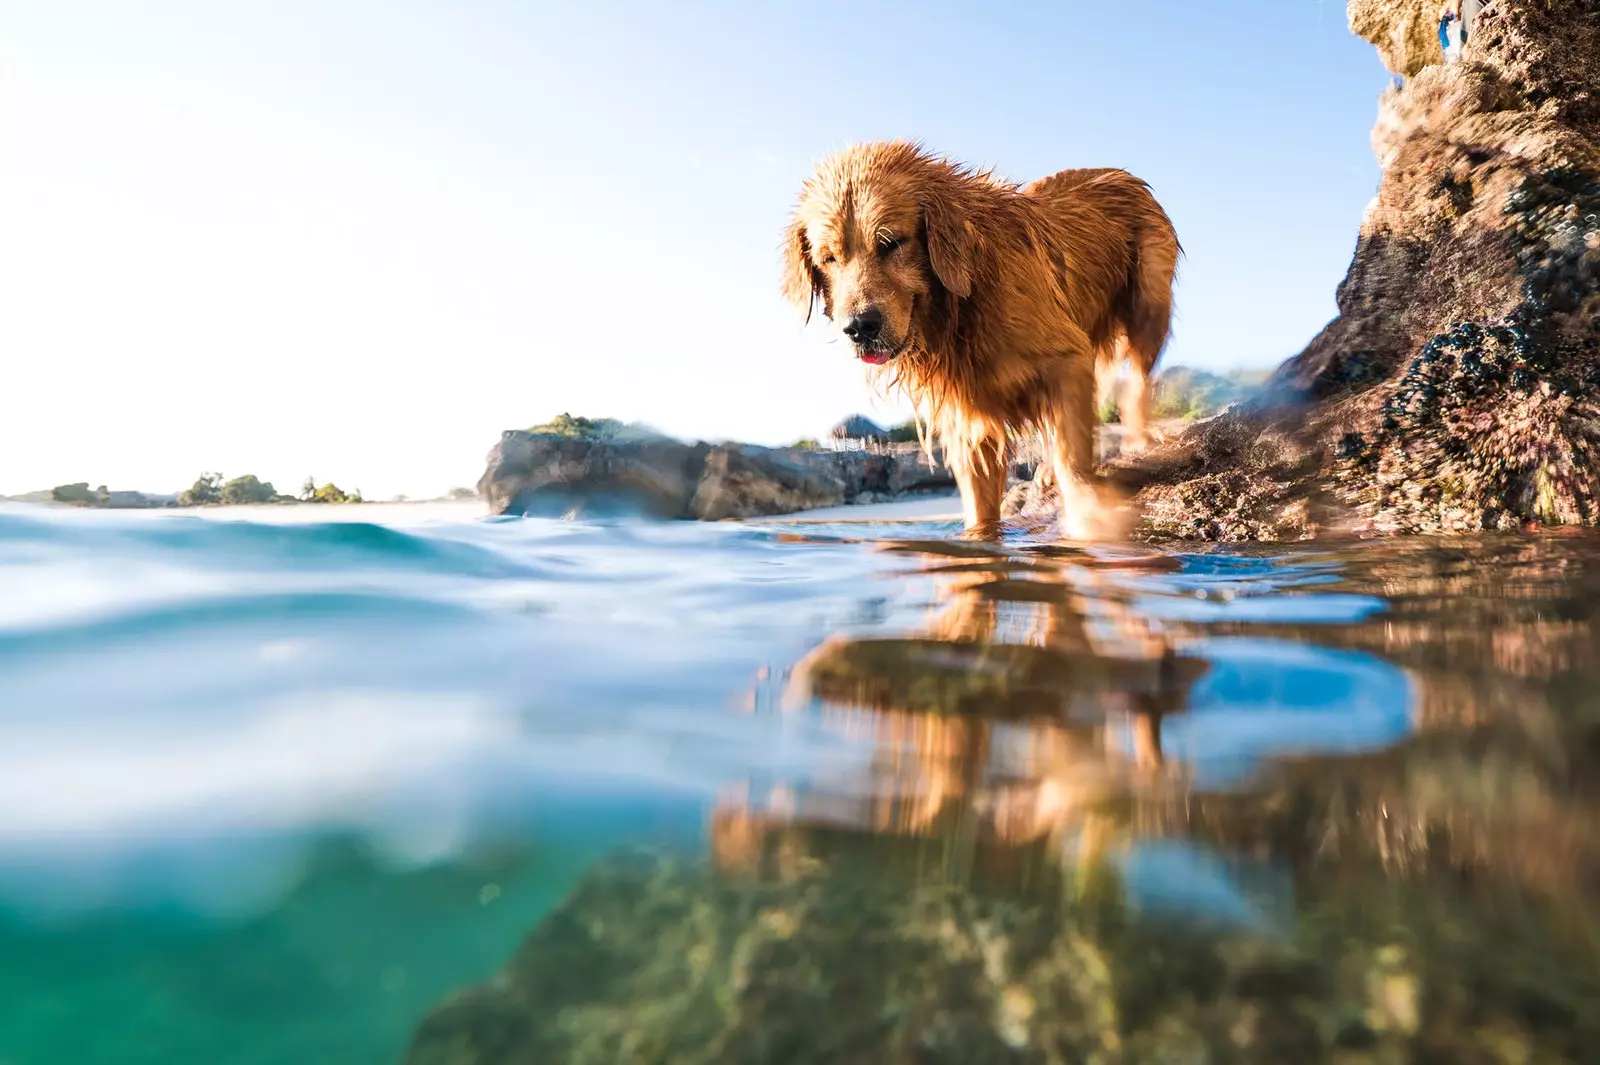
[{"x": 995, "y": 307}]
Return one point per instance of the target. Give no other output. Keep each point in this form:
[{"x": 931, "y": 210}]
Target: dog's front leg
[{"x": 980, "y": 470}]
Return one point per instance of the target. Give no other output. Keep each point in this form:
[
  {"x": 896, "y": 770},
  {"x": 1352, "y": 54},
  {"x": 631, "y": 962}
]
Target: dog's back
[
  {"x": 1138, "y": 309},
  {"x": 1142, "y": 309}
]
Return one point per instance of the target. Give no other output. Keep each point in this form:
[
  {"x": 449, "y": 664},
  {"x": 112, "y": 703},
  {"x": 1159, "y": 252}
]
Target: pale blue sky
[{"x": 358, "y": 239}]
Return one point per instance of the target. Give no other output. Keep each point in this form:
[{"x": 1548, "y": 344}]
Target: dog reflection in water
[{"x": 1019, "y": 713}]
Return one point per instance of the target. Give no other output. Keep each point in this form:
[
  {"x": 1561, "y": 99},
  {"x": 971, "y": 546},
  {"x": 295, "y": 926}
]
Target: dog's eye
[
  {"x": 889, "y": 245},
  {"x": 829, "y": 260}
]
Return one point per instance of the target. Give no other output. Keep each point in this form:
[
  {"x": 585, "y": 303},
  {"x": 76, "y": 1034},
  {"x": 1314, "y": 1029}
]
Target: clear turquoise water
[{"x": 271, "y": 789}]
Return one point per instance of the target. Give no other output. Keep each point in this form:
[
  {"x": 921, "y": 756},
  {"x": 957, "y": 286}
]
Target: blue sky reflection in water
[{"x": 290, "y": 782}]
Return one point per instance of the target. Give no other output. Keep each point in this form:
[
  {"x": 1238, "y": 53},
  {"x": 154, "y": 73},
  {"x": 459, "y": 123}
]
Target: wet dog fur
[{"x": 995, "y": 307}]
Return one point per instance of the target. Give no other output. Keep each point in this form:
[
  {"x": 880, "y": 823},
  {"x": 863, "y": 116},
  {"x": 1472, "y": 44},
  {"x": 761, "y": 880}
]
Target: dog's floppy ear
[
  {"x": 801, "y": 285},
  {"x": 950, "y": 242}
]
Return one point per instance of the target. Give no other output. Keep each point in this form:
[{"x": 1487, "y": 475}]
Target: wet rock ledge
[{"x": 547, "y": 474}]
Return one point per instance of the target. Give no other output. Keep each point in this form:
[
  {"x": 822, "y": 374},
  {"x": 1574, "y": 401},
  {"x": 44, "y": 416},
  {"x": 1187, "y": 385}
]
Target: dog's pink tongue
[{"x": 876, "y": 358}]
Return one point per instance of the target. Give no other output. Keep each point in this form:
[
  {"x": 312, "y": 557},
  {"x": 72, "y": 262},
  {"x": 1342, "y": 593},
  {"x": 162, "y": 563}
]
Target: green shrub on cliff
[
  {"x": 248, "y": 489},
  {"x": 1184, "y": 392},
  {"x": 1190, "y": 394},
  {"x": 580, "y": 428},
  {"x": 207, "y": 489},
  {"x": 311, "y": 492},
  {"x": 332, "y": 493},
  {"x": 79, "y": 493}
]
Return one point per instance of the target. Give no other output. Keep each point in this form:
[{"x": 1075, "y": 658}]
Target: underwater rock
[
  {"x": 657, "y": 961},
  {"x": 1459, "y": 387},
  {"x": 862, "y": 957}
]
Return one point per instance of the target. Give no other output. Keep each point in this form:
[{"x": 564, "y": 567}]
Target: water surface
[{"x": 416, "y": 785}]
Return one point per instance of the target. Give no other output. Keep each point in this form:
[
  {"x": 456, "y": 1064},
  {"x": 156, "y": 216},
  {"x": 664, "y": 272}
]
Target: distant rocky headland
[{"x": 209, "y": 489}]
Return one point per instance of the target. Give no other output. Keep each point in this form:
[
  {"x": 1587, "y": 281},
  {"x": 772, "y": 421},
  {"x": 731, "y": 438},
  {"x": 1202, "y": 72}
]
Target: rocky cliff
[{"x": 1459, "y": 386}]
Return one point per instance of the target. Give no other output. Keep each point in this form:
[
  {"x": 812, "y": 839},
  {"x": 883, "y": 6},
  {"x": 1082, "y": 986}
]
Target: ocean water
[{"x": 330, "y": 784}]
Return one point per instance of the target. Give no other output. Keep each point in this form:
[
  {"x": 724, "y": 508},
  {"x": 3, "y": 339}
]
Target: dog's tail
[
  {"x": 1147, "y": 309},
  {"x": 1152, "y": 269},
  {"x": 1144, "y": 306}
]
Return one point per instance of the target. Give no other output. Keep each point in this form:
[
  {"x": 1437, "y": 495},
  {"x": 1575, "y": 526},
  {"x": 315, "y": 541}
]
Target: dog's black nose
[{"x": 864, "y": 328}]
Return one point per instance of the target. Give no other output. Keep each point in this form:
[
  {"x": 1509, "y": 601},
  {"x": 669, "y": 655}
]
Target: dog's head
[{"x": 879, "y": 238}]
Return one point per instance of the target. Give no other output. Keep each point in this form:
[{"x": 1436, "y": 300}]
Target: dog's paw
[
  {"x": 1103, "y": 515},
  {"x": 987, "y": 532},
  {"x": 1078, "y": 524}
]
